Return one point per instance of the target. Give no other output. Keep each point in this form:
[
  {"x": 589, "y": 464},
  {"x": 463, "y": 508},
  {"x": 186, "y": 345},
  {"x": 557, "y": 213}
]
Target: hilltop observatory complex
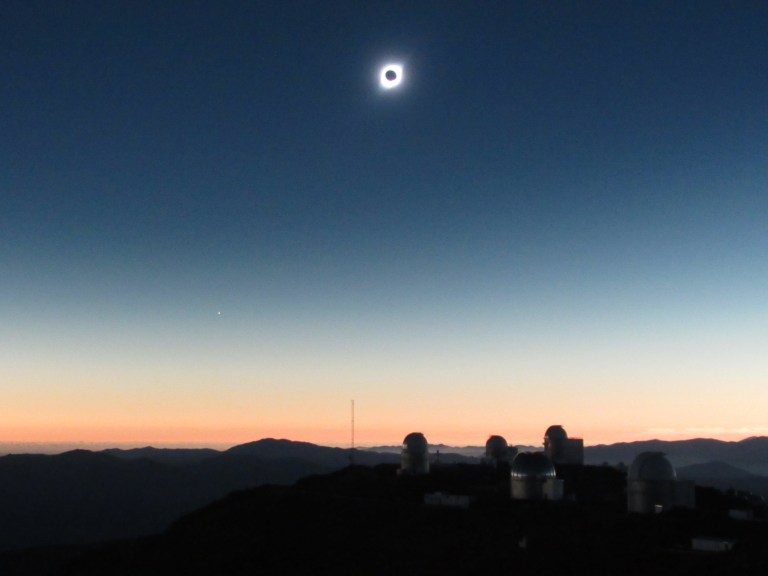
[{"x": 651, "y": 484}]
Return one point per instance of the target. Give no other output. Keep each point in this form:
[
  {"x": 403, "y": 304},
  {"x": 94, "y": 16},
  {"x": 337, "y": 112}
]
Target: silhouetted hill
[
  {"x": 712, "y": 470},
  {"x": 84, "y": 496},
  {"x": 81, "y": 496},
  {"x": 750, "y": 454},
  {"x": 271, "y": 448},
  {"x": 164, "y": 455},
  {"x": 371, "y": 521},
  {"x": 725, "y": 477},
  {"x": 468, "y": 452},
  {"x": 446, "y": 454}
]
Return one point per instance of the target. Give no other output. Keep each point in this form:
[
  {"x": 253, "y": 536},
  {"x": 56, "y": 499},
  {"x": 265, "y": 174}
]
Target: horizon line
[{"x": 51, "y": 447}]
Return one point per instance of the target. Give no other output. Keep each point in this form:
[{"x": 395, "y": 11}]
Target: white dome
[{"x": 530, "y": 465}]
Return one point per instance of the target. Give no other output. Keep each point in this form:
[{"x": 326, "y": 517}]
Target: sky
[{"x": 216, "y": 226}]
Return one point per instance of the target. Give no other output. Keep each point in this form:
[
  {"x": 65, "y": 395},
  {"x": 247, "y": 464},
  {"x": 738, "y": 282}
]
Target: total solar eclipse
[{"x": 391, "y": 76}]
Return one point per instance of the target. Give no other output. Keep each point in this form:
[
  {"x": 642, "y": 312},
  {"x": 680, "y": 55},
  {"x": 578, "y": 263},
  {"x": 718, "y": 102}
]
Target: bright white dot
[{"x": 391, "y": 75}]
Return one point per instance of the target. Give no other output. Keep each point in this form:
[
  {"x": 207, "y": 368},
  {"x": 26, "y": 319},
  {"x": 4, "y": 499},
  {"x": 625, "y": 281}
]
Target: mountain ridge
[
  {"x": 82, "y": 496},
  {"x": 750, "y": 453}
]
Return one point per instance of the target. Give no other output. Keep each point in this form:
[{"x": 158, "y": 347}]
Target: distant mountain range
[
  {"x": 450, "y": 452},
  {"x": 750, "y": 454},
  {"x": 725, "y": 477},
  {"x": 82, "y": 496}
]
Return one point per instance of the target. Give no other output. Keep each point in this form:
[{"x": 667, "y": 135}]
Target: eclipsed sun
[{"x": 391, "y": 76}]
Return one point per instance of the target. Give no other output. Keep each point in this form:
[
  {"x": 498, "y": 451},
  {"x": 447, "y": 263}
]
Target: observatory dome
[
  {"x": 652, "y": 466},
  {"x": 496, "y": 447},
  {"x": 555, "y": 433},
  {"x": 414, "y": 458},
  {"x": 532, "y": 465},
  {"x": 415, "y": 443}
]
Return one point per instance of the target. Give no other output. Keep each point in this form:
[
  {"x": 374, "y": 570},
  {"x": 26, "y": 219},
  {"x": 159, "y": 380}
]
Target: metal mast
[{"x": 352, "y": 449}]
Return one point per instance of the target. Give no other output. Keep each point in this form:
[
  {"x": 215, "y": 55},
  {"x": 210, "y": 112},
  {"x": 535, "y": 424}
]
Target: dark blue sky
[{"x": 551, "y": 178}]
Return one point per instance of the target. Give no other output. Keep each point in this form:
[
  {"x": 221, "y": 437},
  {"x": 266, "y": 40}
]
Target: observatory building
[
  {"x": 533, "y": 477},
  {"x": 561, "y": 449},
  {"x": 414, "y": 459},
  {"x": 652, "y": 485},
  {"x": 497, "y": 451}
]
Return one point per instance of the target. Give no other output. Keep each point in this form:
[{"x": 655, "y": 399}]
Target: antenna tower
[{"x": 352, "y": 450}]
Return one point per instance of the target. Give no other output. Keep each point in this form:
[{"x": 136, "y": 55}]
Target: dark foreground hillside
[
  {"x": 370, "y": 521},
  {"x": 82, "y": 497}
]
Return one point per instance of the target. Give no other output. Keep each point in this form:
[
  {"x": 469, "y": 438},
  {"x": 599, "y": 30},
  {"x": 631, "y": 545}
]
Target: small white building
[
  {"x": 741, "y": 514},
  {"x": 712, "y": 544},
  {"x": 447, "y": 500}
]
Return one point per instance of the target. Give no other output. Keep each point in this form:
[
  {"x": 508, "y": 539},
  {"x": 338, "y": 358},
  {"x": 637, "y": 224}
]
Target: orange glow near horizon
[
  {"x": 456, "y": 408},
  {"x": 189, "y": 437}
]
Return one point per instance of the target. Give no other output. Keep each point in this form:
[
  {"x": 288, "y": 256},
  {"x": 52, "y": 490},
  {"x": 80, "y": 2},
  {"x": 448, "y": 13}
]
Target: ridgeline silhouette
[{"x": 82, "y": 497}]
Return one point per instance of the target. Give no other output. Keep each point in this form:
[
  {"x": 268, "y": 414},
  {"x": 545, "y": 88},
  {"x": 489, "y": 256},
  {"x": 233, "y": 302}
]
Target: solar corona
[{"x": 391, "y": 76}]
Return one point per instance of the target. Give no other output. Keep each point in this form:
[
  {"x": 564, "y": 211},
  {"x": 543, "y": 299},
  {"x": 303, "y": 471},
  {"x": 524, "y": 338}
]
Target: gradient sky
[{"x": 215, "y": 226}]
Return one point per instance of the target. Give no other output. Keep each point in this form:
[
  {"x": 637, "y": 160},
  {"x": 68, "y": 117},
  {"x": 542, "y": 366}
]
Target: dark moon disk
[{"x": 390, "y": 75}]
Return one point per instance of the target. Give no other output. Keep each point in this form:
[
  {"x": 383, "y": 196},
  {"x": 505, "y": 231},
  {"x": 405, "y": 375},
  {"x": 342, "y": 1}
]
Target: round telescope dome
[
  {"x": 496, "y": 447},
  {"x": 652, "y": 466},
  {"x": 556, "y": 433},
  {"x": 415, "y": 442},
  {"x": 532, "y": 465}
]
